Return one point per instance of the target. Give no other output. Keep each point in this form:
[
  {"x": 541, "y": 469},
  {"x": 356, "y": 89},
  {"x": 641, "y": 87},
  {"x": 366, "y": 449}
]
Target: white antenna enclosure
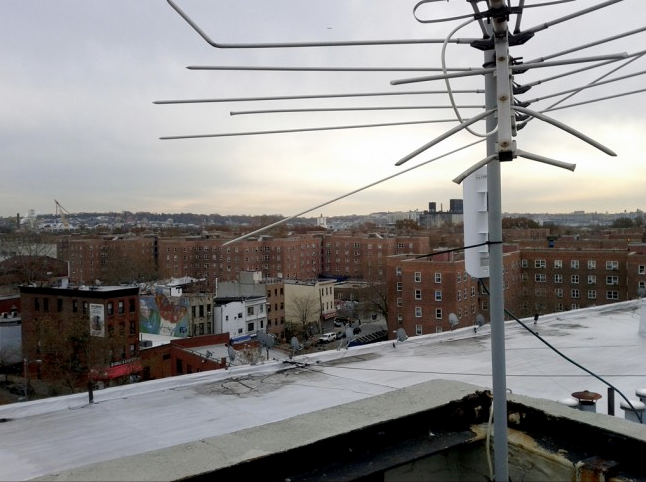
[{"x": 476, "y": 223}]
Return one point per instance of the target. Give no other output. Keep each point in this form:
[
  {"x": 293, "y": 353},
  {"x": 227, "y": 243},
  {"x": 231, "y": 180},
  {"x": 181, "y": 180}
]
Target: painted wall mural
[{"x": 160, "y": 314}]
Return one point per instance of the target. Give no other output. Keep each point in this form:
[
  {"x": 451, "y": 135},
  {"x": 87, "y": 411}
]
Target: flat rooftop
[{"x": 47, "y": 437}]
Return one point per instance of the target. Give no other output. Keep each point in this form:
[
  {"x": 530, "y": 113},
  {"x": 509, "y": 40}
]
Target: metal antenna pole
[{"x": 498, "y": 94}]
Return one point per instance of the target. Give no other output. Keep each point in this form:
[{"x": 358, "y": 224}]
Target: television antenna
[{"x": 504, "y": 115}]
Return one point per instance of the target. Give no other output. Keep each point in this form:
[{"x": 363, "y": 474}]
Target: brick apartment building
[
  {"x": 544, "y": 273},
  {"x": 80, "y": 332},
  {"x": 423, "y": 292},
  {"x": 112, "y": 259},
  {"x": 363, "y": 256},
  {"x": 205, "y": 257},
  {"x": 572, "y": 277}
]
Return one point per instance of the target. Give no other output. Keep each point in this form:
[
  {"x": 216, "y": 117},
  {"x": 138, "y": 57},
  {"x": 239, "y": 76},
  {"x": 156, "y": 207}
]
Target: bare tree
[
  {"x": 70, "y": 354},
  {"x": 303, "y": 309},
  {"x": 9, "y": 356},
  {"x": 374, "y": 299},
  {"x": 28, "y": 257}
]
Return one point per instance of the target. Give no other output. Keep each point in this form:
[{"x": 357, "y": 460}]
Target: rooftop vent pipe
[
  {"x": 636, "y": 415},
  {"x": 587, "y": 400}
]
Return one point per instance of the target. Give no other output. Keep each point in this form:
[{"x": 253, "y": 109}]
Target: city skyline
[{"x": 80, "y": 81}]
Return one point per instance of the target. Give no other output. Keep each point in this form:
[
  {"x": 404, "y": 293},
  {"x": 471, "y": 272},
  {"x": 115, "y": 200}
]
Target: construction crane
[{"x": 62, "y": 214}]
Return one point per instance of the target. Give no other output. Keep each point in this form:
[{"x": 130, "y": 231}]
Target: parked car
[
  {"x": 341, "y": 321},
  {"x": 326, "y": 338},
  {"x": 340, "y": 334}
]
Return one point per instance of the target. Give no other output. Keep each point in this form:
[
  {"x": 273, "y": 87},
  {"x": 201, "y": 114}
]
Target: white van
[{"x": 327, "y": 338}]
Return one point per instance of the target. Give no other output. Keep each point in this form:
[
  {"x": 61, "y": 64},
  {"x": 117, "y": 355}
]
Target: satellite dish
[
  {"x": 480, "y": 321},
  {"x": 453, "y": 319},
  {"x": 401, "y": 335},
  {"x": 265, "y": 339},
  {"x": 232, "y": 353}
]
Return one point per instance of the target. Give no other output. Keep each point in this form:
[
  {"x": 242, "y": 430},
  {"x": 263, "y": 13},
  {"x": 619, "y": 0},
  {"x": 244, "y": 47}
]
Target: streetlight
[{"x": 25, "y": 364}]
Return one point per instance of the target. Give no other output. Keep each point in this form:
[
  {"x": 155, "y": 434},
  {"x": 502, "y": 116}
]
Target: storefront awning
[
  {"x": 327, "y": 316},
  {"x": 117, "y": 371}
]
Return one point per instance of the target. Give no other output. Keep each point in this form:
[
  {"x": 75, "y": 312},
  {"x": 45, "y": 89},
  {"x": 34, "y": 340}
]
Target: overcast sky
[{"x": 79, "y": 79}]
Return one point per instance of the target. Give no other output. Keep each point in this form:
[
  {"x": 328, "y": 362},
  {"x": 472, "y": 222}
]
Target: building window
[
  {"x": 592, "y": 264},
  {"x": 399, "y": 286},
  {"x": 592, "y": 294},
  {"x": 418, "y": 276},
  {"x": 45, "y": 304},
  {"x": 641, "y": 269},
  {"x": 110, "y": 308},
  {"x": 438, "y": 277},
  {"x": 558, "y": 278},
  {"x": 612, "y": 265},
  {"x": 574, "y": 264},
  {"x": 438, "y": 295},
  {"x": 612, "y": 280},
  {"x": 400, "y": 317},
  {"x": 523, "y": 263},
  {"x": 559, "y": 292},
  {"x": 418, "y": 329},
  {"x": 131, "y": 305},
  {"x": 75, "y": 306},
  {"x": 438, "y": 313},
  {"x": 612, "y": 295},
  {"x": 574, "y": 279},
  {"x": 121, "y": 307},
  {"x": 558, "y": 264},
  {"x": 398, "y": 271},
  {"x": 418, "y": 294},
  {"x": 250, "y": 310},
  {"x": 574, "y": 294},
  {"x": 540, "y": 277},
  {"x": 539, "y": 263},
  {"x": 400, "y": 302},
  {"x": 59, "y": 304},
  {"x": 592, "y": 279},
  {"x": 418, "y": 312}
]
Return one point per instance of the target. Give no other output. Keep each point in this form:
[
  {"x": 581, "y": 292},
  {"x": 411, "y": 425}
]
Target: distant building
[
  {"x": 254, "y": 284},
  {"x": 240, "y": 317},
  {"x": 183, "y": 356},
  {"x": 432, "y": 218},
  {"x": 78, "y": 334}
]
